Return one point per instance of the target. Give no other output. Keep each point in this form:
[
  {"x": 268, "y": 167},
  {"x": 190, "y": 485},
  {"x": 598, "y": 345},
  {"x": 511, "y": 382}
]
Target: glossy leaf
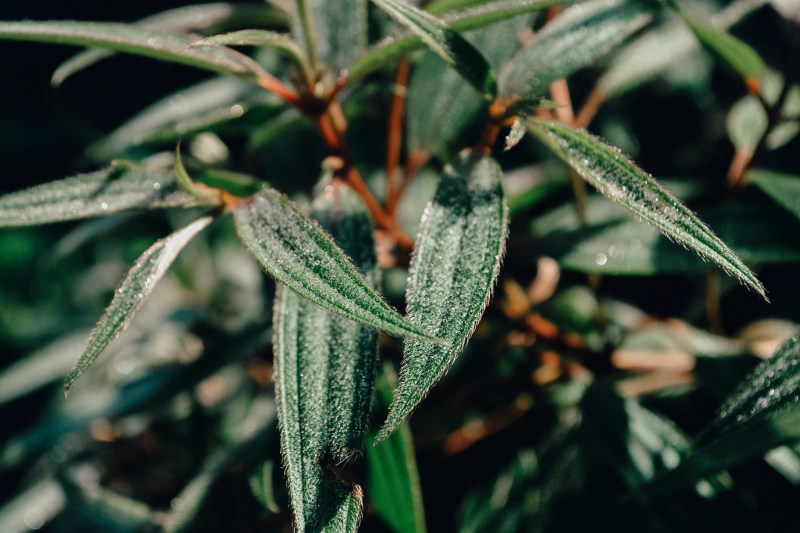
[
  {"x": 137, "y": 285},
  {"x": 87, "y": 195},
  {"x": 393, "y": 48},
  {"x": 293, "y": 249},
  {"x": 783, "y": 188},
  {"x": 612, "y": 243},
  {"x": 180, "y": 19},
  {"x": 393, "y": 479},
  {"x": 455, "y": 263},
  {"x": 447, "y": 43},
  {"x": 621, "y": 180},
  {"x": 132, "y": 39},
  {"x": 572, "y": 41}
]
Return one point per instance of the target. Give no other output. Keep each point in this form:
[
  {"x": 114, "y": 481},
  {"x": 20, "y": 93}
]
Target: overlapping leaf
[
  {"x": 572, "y": 41},
  {"x": 783, "y": 188},
  {"x": 456, "y": 259},
  {"x": 135, "y": 40},
  {"x": 325, "y": 376},
  {"x": 621, "y": 180},
  {"x": 98, "y": 193},
  {"x": 137, "y": 285},
  {"x": 292, "y": 248}
]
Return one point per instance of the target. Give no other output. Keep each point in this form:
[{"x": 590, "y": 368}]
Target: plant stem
[{"x": 395, "y": 134}]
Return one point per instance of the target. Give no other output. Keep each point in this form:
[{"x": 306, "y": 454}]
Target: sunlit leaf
[
  {"x": 180, "y": 19},
  {"x": 293, "y": 249},
  {"x": 455, "y": 263},
  {"x": 137, "y": 285},
  {"x": 87, "y": 195},
  {"x": 341, "y": 31},
  {"x": 479, "y": 16},
  {"x": 621, "y": 180},
  {"x": 393, "y": 479},
  {"x": 572, "y": 41},
  {"x": 132, "y": 39},
  {"x": 783, "y": 188},
  {"x": 447, "y": 43}
]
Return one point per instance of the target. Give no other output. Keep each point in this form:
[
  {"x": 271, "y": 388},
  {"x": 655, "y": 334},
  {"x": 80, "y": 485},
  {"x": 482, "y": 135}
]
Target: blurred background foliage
[{"x": 575, "y": 392}]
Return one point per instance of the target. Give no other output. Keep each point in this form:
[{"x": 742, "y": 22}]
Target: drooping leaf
[
  {"x": 727, "y": 48},
  {"x": 137, "y": 285},
  {"x": 573, "y": 40},
  {"x": 325, "y": 376},
  {"x": 293, "y": 249},
  {"x": 393, "y": 48},
  {"x": 612, "y": 243},
  {"x": 621, "y": 180},
  {"x": 393, "y": 479},
  {"x": 783, "y": 188},
  {"x": 447, "y": 43},
  {"x": 132, "y": 39},
  {"x": 97, "y": 193},
  {"x": 180, "y": 19},
  {"x": 456, "y": 260}
]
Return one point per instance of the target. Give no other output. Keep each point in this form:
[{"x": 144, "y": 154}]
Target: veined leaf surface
[
  {"x": 573, "y": 40},
  {"x": 87, "y": 195},
  {"x": 325, "y": 375},
  {"x": 137, "y": 285},
  {"x": 621, "y": 180},
  {"x": 135, "y": 40},
  {"x": 456, "y": 260},
  {"x": 293, "y": 249},
  {"x": 447, "y": 43}
]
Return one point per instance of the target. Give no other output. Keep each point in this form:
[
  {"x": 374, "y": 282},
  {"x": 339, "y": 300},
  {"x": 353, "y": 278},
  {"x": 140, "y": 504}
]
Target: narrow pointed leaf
[
  {"x": 447, "y": 43},
  {"x": 137, "y": 285},
  {"x": 133, "y": 39},
  {"x": 180, "y": 19},
  {"x": 393, "y": 48},
  {"x": 621, "y": 180},
  {"x": 783, "y": 188},
  {"x": 325, "y": 377},
  {"x": 293, "y": 249},
  {"x": 87, "y": 195},
  {"x": 456, "y": 260},
  {"x": 393, "y": 478},
  {"x": 574, "y": 40}
]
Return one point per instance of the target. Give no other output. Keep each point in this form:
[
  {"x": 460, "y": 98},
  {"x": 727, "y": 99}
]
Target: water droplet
[
  {"x": 157, "y": 186},
  {"x": 104, "y": 206},
  {"x": 601, "y": 259},
  {"x": 237, "y": 111},
  {"x": 34, "y": 518}
]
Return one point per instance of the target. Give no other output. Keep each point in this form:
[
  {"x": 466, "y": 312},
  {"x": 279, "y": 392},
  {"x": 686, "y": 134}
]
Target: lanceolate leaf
[
  {"x": 456, "y": 259},
  {"x": 572, "y": 41},
  {"x": 447, "y": 43},
  {"x": 621, "y": 180},
  {"x": 135, "y": 40},
  {"x": 468, "y": 19},
  {"x": 93, "y": 194},
  {"x": 325, "y": 376},
  {"x": 292, "y": 248},
  {"x": 783, "y": 188},
  {"x": 341, "y": 29},
  {"x": 136, "y": 286}
]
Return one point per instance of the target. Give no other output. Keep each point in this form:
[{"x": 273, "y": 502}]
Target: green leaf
[
  {"x": 393, "y": 479},
  {"x": 455, "y": 263},
  {"x": 203, "y": 195},
  {"x": 572, "y": 41},
  {"x": 93, "y": 194},
  {"x": 137, "y": 285},
  {"x": 135, "y": 40},
  {"x": 621, "y": 180},
  {"x": 747, "y": 122},
  {"x": 728, "y": 49},
  {"x": 393, "y": 48},
  {"x": 181, "y": 19},
  {"x": 293, "y": 249},
  {"x": 612, "y": 243},
  {"x": 783, "y": 188},
  {"x": 325, "y": 376},
  {"x": 447, "y": 43},
  {"x": 341, "y": 29}
]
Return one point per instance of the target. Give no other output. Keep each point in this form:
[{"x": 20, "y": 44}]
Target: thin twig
[{"x": 395, "y": 134}]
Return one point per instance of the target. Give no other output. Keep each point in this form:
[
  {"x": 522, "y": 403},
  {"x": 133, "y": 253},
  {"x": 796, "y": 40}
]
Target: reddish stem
[{"x": 395, "y": 134}]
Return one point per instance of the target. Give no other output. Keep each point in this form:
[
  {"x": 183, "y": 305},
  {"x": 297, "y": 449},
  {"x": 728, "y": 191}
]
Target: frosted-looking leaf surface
[
  {"x": 137, "y": 285},
  {"x": 620, "y": 179},
  {"x": 456, "y": 260},
  {"x": 293, "y": 249},
  {"x": 93, "y": 194}
]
